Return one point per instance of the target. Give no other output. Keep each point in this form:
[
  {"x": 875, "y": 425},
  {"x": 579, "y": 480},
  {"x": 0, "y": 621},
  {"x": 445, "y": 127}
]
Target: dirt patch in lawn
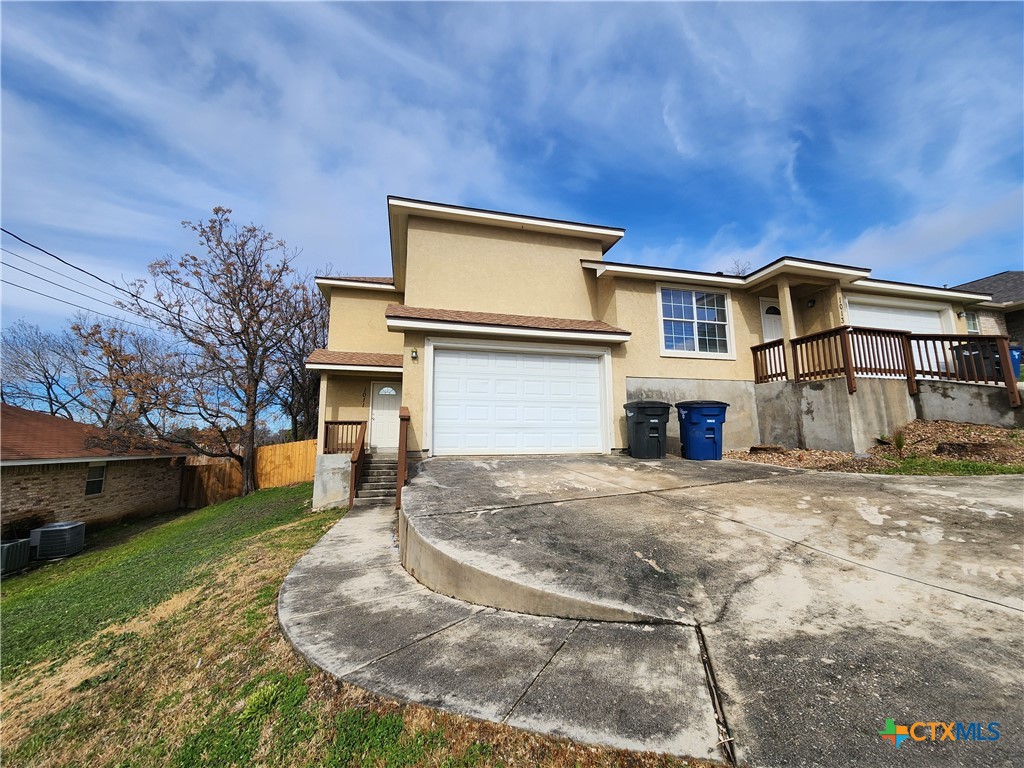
[{"x": 937, "y": 443}]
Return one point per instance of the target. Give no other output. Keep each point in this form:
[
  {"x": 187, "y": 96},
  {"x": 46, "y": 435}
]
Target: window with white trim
[
  {"x": 94, "y": 479},
  {"x": 973, "y": 326},
  {"x": 694, "y": 322}
]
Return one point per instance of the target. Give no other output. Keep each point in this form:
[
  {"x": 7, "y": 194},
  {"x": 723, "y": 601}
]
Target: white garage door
[
  {"x": 512, "y": 402},
  {"x": 896, "y": 318}
]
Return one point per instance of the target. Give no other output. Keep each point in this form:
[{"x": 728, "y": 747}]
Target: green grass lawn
[
  {"x": 159, "y": 646},
  {"x": 925, "y": 465}
]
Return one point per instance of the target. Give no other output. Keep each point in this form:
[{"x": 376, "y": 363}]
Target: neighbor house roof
[
  {"x": 1004, "y": 287},
  {"x": 401, "y": 311},
  {"x": 327, "y": 359},
  {"x": 30, "y": 437},
  {"x": 350, "y": 279}
]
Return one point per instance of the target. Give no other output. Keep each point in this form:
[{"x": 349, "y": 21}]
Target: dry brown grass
[{"x": 137, "y": 692}]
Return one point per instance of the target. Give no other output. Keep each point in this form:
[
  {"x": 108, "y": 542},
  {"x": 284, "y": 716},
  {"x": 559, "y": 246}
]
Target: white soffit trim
[
  {"x": 662, "y": 275},
  {"x": 358, "y": 368},
  {"x": 342, "y": 283},
  {"x": 903, "y": 289},
  {"x": 406, "y": 324}
]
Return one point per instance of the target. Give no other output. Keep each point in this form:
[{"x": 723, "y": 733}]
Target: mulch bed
[{"x": 939, "y": 440}]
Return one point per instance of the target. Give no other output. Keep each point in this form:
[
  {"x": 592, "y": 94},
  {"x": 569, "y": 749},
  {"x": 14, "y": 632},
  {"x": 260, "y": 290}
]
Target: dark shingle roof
[{"x": 1003, "y": 287}]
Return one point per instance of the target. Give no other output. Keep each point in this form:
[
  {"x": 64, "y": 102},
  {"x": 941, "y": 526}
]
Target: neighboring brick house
[
  {"x": 53, "y": 469},
  {"x": 1004, "y": 314}
]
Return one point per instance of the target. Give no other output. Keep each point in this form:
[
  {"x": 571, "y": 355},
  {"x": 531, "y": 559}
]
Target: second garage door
[
  {"x": 895, "y": 318},
  {"x": 511, "y": 402}
]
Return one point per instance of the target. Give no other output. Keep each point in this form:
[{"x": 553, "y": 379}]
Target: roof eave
[{"x": 485, "y": 329}]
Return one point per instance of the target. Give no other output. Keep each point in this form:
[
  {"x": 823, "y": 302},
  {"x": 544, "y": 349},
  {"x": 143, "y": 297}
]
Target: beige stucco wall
[
  {"x": 348, "y": 397},
  {"x": 357, "y": 321},
  {"x": 454, "y": 265},
  {"x": 825, "y": 313}
]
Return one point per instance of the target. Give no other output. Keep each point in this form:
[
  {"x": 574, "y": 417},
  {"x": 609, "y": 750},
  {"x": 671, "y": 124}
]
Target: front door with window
[
  {"x": 771, "y": 320},
  {"x": 384, "y": 405}
]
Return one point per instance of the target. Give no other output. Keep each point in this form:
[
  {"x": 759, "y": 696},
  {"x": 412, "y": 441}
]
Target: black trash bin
[
  {"x": 700, "y": 429},
  {"x": 645, "y": 425},
  {"x": 978, "y": 361}
]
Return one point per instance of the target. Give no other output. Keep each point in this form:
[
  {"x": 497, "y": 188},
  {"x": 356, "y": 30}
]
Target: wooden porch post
[
  {"x": 1003, "y": 345},
  {"x": 788, "y": 324}
]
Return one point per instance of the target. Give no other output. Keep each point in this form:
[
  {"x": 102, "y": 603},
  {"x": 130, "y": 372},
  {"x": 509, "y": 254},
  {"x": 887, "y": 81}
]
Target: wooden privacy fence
[
  {"x": 285, "y": 464},
  {"x": 208, "y": 480}
]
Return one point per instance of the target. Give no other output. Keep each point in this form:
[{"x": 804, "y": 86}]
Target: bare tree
[
  {"x": 228, "y": 311},
  {"x": 739, "y": 267},
  {"x": 38, "y": 371},
  {"x": 299, "y": 395}
]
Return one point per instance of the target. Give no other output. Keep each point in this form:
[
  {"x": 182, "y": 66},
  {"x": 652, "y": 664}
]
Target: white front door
[
  {"x": 384, "y": 405},
  {"x": 771, "y": 320}
]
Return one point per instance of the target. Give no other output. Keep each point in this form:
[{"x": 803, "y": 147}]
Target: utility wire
[
  {"x": 71, "y": 304},
  {"x": 54, "y": 271},
  {"x": 72, "y": 290},
  {"x": 115, "y": 286},
  {"x": 83, "y": 271}
]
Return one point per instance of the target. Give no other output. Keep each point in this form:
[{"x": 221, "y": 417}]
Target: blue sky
[{"x": 881, "y": 135}]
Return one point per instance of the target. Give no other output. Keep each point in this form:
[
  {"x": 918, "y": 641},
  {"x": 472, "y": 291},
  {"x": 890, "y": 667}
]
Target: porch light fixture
[
  {"x": 812, "y": 302},
  {"x": 415, "y": 355},
  {"x": 961, "y": 315}
]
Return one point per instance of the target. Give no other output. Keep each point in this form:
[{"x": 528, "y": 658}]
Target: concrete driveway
[{"x": 828, "y": 603}]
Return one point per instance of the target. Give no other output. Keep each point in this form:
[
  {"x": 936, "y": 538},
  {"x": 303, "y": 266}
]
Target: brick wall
[
  {"x": 1015, "y": 326},
  {"x": 46, "y": 493},
  {"x": 991, "y": 323}
]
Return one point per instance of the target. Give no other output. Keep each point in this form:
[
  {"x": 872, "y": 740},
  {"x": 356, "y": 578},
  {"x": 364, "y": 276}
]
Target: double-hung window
[
  {"x": 973, "y": 326},
  {"x": 95, "y": 476},
  {"x": 694, "y": 322}
]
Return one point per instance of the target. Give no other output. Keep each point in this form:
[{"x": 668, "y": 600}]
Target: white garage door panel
[
  {"x": 896, "y": 318},
  {"x": 505, "y": 402}
]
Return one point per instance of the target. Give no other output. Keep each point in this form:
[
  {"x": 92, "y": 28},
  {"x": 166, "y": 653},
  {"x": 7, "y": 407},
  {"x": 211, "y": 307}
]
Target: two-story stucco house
[{"x": 509, "y": 334}]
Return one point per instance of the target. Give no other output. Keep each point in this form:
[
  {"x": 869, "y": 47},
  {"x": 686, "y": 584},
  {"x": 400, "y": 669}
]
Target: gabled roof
[
  {"x": 326, "y": 359},
  {"x": 1004, "y": 287},
  {"x": 28, "y": 437},
  {"x": 402, "y": 316}
]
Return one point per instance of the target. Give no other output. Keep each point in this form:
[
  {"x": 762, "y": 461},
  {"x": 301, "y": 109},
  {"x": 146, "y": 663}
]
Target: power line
[
  {"x": 80, "y": 269},
  {"x": 49, "y": 269},
  {"x": 71, "y": 304},
  {"x": 105, "y": 282},
  {"x": 72, "y": 290}
]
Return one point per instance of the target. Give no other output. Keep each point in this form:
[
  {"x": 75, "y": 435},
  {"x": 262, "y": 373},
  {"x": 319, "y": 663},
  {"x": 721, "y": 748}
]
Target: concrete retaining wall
[
  {"x": 741, "y": 421},
  {"x": 976, "y": 404},
  {"x": 824, "y": 416},
  {"x": 332, "y": 482}
]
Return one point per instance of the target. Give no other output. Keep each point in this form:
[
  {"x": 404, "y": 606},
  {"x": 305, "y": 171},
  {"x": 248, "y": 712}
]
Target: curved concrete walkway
[
  {"x": 350, "y": 608},
  {"x": 825, "y": 604}
]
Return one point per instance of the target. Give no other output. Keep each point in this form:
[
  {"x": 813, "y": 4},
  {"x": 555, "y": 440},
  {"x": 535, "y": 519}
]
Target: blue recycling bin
[
  {"x": 700, "y": 429},
  {"x": 1015, "y": 353}
]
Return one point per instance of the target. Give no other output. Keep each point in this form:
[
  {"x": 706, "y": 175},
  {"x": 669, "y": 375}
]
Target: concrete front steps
[{"x": 380, "y": 476}]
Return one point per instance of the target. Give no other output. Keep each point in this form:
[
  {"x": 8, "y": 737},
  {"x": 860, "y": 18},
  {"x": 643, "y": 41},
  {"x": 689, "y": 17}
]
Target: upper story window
[
  {"x": 972, "y": 322},
  {"x": 694, "y": 322},
  {"x": 94, "y": 479}
]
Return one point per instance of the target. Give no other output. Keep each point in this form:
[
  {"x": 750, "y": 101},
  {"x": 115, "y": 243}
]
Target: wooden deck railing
[
  {"x": 971, "y": 358},
  {"x": 824, "y": 355},
  {"x": 340, "y": 436},
  {"x": 849, "y": 352},
  {"x": 358, "y": 455},
  {"x": 403, "y": 459},
  {"x": 769, "y": 361}
]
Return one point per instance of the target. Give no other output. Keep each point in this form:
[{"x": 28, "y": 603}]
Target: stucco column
[
  {"x": 321, "y": 415},
  {"x": 788, "y": 323}
]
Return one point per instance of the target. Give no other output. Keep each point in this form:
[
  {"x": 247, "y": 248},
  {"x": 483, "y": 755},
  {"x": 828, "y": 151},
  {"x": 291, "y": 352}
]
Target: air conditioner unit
[
  {"x": 14, "y": 555},
  {"x": 57, "y": 540}
]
